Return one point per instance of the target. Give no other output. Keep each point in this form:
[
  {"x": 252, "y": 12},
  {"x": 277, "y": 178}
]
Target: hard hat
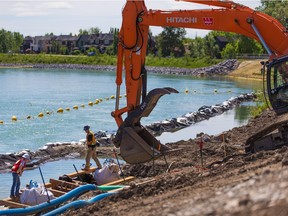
[
  {"x": 86, "y": 127},
  {"x": 26, "y": 156}
]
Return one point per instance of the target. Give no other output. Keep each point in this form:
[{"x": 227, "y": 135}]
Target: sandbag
[
  {"x": 35, "y": 195},
  {"x": 108, "y": 173}
]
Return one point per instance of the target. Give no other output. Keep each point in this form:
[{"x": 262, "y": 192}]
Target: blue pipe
[
  {"x": 47, "y": 205},
  {"x": 78, "y": 204}
]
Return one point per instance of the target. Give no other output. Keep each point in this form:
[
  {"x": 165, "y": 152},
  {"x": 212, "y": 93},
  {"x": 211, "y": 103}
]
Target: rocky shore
[
  {"x": 222, "y": 68},
  {"x": 55, "y": 151},
  {"x": 58, "y": 150},
  {"x": 203, "y": 113}
]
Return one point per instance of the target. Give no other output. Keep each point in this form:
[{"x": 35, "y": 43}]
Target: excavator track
[{"x": 271, "y": 137}]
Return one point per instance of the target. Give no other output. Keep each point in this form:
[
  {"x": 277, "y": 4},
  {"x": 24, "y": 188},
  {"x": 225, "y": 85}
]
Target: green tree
[
  {"x": 18, "y": 38},
  {"x": 112, "y": 50},
  {"x": 63, "y": 50},
  {"x": 229, "y": 51},
  {"x": 276, "y": 8},
  {"x": 94, "y": 30},
  {"x": 196, "y": 47},
  {"x": 211, "y": 48},
  {"x": 170, "y": 42},
  {"x": 248, "y": 45},
  {"x": 82, "y": 32},
  {"x": 55, "y": 48},
  {"x": 10, "y": 41}
]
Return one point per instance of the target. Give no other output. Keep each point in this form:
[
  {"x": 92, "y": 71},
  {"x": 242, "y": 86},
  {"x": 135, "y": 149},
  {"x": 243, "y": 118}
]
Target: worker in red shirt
[{"x": 17, "y": 171}]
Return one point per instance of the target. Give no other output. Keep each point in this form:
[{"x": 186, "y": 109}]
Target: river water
[{"x": 28, "y": 92}]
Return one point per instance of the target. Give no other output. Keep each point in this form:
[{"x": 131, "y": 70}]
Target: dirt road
[{"x": 230, "y": 182}]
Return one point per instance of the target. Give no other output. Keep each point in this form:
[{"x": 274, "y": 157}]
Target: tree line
[{"x": 172, "y": 41}]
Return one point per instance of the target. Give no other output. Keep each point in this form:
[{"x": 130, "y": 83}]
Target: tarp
[
  {"x": 108, "y": 173},
  {"x": 35, "y": 196}
]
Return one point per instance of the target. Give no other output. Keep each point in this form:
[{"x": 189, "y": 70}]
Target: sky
[{"x": 38, "y": 17}]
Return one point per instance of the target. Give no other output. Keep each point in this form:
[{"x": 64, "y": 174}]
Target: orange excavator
[{"x": 136, "y": 144}]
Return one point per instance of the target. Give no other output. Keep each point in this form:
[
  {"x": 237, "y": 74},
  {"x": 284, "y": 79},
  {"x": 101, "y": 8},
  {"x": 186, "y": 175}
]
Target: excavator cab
[{"x": 277, "y": 84}]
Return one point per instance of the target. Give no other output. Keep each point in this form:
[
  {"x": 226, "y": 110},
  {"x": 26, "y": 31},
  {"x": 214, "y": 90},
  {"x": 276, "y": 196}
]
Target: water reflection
[
  {"x": 242, "y": 113},
  {"x": 215, "y": 125}
]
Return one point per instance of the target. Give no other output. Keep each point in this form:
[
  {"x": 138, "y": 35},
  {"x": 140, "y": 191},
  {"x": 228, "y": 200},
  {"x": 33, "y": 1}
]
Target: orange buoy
[
  {"x": 40, "y": 115},
  {"x": 60, "y": 110}
]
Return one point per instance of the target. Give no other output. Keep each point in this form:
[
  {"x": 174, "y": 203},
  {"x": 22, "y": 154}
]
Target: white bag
[
  {"x": 35, "y": 196},
  {"x": 108, "y": 173}
]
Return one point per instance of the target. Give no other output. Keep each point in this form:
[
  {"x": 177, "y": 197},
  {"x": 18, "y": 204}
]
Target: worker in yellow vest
[{"x": 91, "y": 149}]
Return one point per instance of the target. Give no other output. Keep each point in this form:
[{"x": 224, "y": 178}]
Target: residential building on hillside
[
  {"x": 70, "y": 42},
  {"x": 42, "y": 43},
  {"x": 52, "y": 43},
  {"x": 100, "y": 41}
]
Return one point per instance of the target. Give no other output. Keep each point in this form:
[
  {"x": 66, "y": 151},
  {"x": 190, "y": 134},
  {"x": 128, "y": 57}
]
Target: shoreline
[
  {"x": 59, "y": 150},
  {"x": 55, "y": 150},
  {"x": 222, "y": 68}
]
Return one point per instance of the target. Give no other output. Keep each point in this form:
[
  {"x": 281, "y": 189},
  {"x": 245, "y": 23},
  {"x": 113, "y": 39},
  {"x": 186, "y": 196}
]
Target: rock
[
  {"x": 203, "y": 113},
  {"x": 285, "y": 160}
]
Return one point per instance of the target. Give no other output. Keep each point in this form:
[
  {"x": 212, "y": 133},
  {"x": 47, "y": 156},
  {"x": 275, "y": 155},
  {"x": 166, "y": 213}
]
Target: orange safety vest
[{"x": 19, "y": 166}]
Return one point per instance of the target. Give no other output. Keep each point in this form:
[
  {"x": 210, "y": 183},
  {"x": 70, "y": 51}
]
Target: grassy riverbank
[{"x": 185, "y": 62}]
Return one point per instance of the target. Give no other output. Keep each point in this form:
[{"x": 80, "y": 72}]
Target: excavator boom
[{"x": 136, "y": 144}]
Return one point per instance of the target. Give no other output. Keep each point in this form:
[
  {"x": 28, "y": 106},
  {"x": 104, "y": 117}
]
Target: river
[{"x": 28, "y": 92}]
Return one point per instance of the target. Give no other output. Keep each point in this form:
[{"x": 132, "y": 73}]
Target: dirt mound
[
  {"x": 229, "y": 183},
  {"x": 248, "y": 69}
]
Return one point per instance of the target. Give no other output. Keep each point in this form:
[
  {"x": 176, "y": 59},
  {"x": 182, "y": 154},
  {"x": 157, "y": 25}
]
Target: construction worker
[
  {"x": 17, "y": 171},
  {"x": 91, "y": 148}
]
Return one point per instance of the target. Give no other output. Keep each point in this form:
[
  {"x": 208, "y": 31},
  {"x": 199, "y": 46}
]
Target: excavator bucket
[
  {"x": 139, "y": 146},
  {"x": 136, "y": 144},
  {"x": 147, "y": 105}
]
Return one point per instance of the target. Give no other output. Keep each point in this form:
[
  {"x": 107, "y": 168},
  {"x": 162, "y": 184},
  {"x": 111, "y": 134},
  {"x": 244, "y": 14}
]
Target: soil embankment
[
  {"x": 229, "y": 183},
  {"x": 250, "y": 69},
  {"x": 223, "y": 181}
]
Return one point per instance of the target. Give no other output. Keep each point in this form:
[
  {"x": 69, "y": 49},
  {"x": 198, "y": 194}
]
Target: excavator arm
[{"x": 136, "y": 144}]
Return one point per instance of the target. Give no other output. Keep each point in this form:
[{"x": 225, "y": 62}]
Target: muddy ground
[{"x": 230, "y": 182}]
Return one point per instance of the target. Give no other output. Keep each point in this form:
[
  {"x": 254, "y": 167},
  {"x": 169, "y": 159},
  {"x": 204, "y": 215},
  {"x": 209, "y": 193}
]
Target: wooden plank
[
  {"x": 13, "y": 204},
  {"x": 48, "y": 185},
  {"x": 81, "y": 172},
  {"x": 62, "y": 184},
  {"x": 120, "y": 181},
  {"x": 56, "y": 193}
]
